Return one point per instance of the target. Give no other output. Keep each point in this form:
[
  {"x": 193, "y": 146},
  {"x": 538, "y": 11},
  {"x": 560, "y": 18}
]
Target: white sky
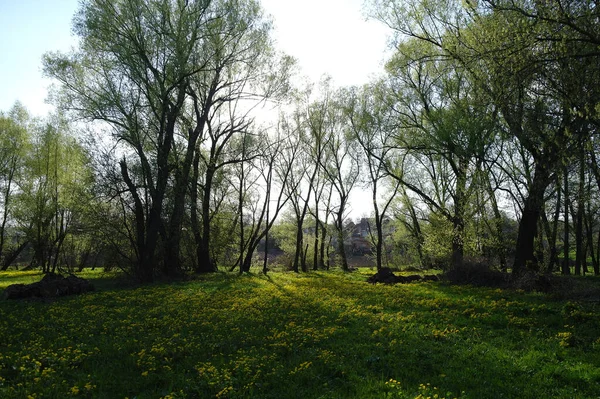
[{"x": 326, "y": 36}]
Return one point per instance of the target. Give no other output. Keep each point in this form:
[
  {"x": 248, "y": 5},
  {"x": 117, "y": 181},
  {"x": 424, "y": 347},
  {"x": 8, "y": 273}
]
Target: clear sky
[
  {"x": 326, "y": 36},
  {"x": 28, "y": 29}
]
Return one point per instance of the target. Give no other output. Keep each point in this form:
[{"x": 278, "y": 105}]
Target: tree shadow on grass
[
  {"x": 453, "y": 339},
  {"x": 308, "y": 336}
]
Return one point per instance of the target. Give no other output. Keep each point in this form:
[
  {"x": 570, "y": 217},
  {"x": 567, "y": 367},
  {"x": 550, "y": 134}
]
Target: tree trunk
[
  {"x": 304, "y": 254},
  {"x": 299, "y": 243},
  {"x": 458, "y": 221},
  {"x": 303, "y": 264},
  {"x": 205, "y": 261},
  {"x": 242, "y": 244},
  {"x": 566, "y": 269},
  {"x": 6, "y": 205},
  {"x": 579, "y": 237},
  {"x": 378, "y": 227},
  {"x": 552, "y": 233},
  {"x": 458, "y": 231},
  {"x": 182, "y": 179},
  {"x": 324, "y": 242},
  {"x": 194, "y": 211},
  {"x": 379, "y": 242},
  {"x": 524, "y": 252},
  {"x": 13, "y": 255},
  {"x": 341, "y": 247},
  {"x": 322, "y": 245},
  {"x": 143, "y": 269},
  {"x": 498, "y": 226},
  {"x": 266, "y": 258},
  {"x": 316, "y": 242}
]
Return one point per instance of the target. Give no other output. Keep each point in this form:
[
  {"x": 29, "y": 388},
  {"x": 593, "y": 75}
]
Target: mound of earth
[
  {"x": 50, "y": 286},
  {"x": 477, "y": 275},
  {"x": 386, "y": 276}
]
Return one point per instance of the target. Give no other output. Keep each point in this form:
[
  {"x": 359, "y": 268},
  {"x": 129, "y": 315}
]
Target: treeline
[
  {"x": 47, "y": 193},
  {"x": 479, "y": 141}
]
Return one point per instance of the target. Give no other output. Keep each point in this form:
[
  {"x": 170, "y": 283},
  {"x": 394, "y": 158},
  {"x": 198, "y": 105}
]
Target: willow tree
[
  {"x": 443, "y": 131},
  {"x": 545, "y": 82},
  {"x": 340, "y": 160},
  {"x": 54, "y": 191},
  {"x": 306, "y": 149},
  {"x": 535, "y": 61},
  {"x": 14, "y": 143},
  {"x": 165, "y": 77},
  {"x": 370, "y": 124},
  {"x": 242, "y": 72}
]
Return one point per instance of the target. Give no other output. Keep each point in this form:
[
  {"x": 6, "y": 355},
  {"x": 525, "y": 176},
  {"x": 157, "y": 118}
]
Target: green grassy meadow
[{"x": 286, "y": 335}]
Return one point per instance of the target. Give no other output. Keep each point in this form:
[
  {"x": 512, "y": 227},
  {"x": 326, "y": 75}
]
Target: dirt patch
[
  {"x": 386, "y": 276},
  {"x": 478, "y": 275},
  {"x": 50, "y": 286}
]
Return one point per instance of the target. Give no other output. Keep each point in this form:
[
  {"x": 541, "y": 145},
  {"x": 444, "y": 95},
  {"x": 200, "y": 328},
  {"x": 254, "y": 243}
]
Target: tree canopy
[{"x": 477, "y": 143}]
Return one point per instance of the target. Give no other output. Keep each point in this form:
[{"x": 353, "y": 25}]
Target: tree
[
  {"x": 301, "y": 177},
  {"x": 443, "y": 129},
  {"x": 243, "y": 71},
  {"x": 170, "y": 80},
  {"x": 545, "y": 96},
  {"x": 131, "y": 72},
  {"x": 14, "y": 143},
  {"x": 275, "y": 171},
  {"x": 266, "y": 196},
  {"x": 370, "y": 124},
  {"x": 54, "y": 191},
  {"x": 336, "y": 154},
  {"x": 529, "y": 59},
  {"x": 341, "y": 164}
]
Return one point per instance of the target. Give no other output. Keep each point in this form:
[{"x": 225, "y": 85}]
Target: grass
[{"x": 314, "y": 335}]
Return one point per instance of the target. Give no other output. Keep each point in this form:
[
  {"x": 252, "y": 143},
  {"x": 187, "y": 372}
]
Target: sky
[
  {"x": 28, "y": 29},
  {"x": 326, "y": 37}
]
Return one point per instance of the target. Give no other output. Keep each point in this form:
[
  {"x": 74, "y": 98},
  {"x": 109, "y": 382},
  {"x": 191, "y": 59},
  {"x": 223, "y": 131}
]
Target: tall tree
[
  {"x": 168, "y": 79},
  {"x": 443, "y": 129},
  {"x": 528, "y": 57},
  {"x": 14, "y": 143},
  {"x": 131, "y": 71},
  {"x": 370, "y": 124},
  {"x": 335, "y": 153},
  {"x": 242, "y": 72},
  {"x": 54, "y": 192}
]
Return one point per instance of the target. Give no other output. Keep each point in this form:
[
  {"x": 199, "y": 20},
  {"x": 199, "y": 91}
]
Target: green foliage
[
  {"x": 284, "y": 234},
  {"x": 437, "y": 241},
  {"x": 225, "y": 237},
  {"x": 287, "y": 335},
  {"x": 55, "y": 192},
  {"x": 14, "y": 146},
  {"x": 175, "y": 83},
  {"x": 401, "y": 248}
]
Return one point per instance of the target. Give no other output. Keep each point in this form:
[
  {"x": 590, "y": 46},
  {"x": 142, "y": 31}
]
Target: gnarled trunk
[{"x": 524, "y": 254}]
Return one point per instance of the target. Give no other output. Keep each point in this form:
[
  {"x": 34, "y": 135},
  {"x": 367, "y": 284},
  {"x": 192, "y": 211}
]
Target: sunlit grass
[{"x": 315, "y": 335}]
